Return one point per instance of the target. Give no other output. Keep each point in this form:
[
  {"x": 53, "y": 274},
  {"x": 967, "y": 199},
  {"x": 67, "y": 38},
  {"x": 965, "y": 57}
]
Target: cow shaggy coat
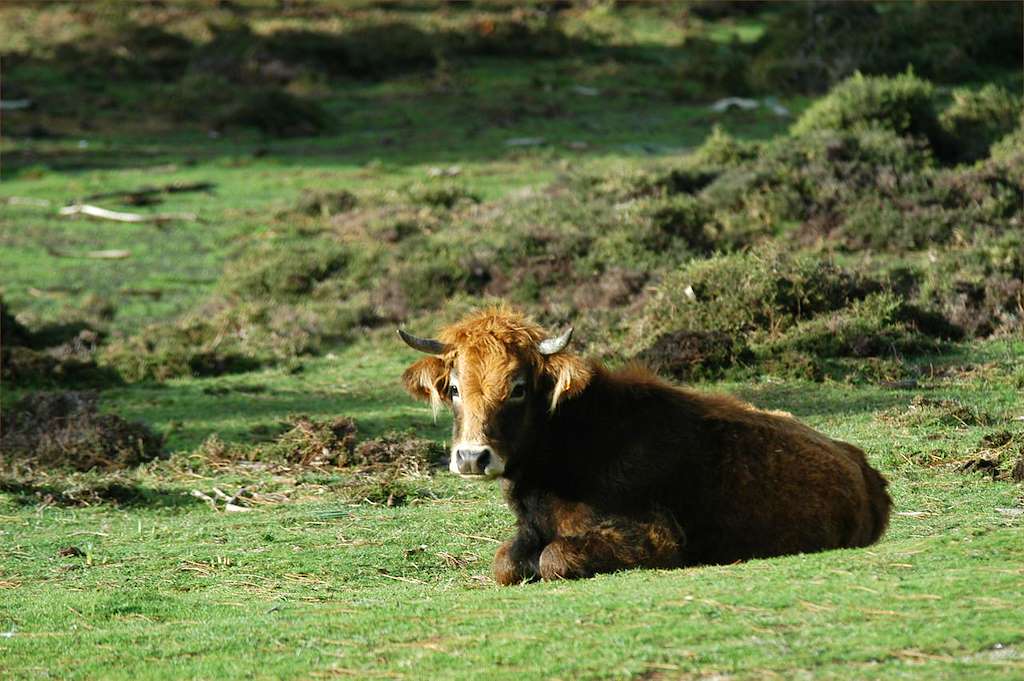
[{"x": 607, "y": 470}]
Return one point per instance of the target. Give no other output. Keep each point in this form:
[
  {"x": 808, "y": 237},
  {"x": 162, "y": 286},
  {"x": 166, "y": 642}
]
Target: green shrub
[
  {"x": 876, "y": 326},
  {"x": 283, "y": 270},
  {"x": 750, "y": 296},
  {"x": 980, "y": 289},
  {"x": 1010, "y": 148},
  {"x": 814, "y": 177},
  {"x": 978, "y": 118},
  {"x": 902, "y": 104},
  {"x": 722, "y": 150}
]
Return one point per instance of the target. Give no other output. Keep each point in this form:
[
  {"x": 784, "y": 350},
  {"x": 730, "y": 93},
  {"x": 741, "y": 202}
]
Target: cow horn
[
  {"x": 550, "y": 346},
  {"x": 427, "y": 345}
]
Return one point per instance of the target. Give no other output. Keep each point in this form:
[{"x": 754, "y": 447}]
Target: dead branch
[
  {"x": 120, "y": 216},
  {"x": 112, "y": 254}
]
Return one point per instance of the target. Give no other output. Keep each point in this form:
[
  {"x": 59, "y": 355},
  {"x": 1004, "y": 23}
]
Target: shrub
[
  {"x": 902, "y": 104},
  {"x": 694, "y": 355},
  {"x": 1010, "y": 148},
  {"x": 814, "y": 177},
  {"x": 878, "y": 325},
  {"x": 978, "y": 118},
  {"x": 750, "y": 296},
  {"x": 283, "y": 269}
]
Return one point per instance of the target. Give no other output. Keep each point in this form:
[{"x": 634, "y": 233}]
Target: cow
[{"x": 610, "y": 470}]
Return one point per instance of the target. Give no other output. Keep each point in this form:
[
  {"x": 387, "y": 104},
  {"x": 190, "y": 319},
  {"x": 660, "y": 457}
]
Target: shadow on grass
[
  {"x": 820, "y": 400},
  {"x": 120, "y": 491}
]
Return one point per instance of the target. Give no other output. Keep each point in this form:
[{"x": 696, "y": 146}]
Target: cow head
[{"x": 501, "y": 376}]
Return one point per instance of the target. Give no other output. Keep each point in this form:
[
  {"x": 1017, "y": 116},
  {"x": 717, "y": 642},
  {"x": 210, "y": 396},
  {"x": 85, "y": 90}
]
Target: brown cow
[{"x": 607, "y": 470}]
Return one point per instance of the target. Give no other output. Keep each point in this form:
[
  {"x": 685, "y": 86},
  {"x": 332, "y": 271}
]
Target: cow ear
[
  {"x": 423, "y": 380},
  {"x": 570, "y": 376}
]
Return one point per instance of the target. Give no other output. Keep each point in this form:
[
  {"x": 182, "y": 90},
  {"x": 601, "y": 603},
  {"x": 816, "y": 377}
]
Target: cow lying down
[{"x": 607, "y": 470}]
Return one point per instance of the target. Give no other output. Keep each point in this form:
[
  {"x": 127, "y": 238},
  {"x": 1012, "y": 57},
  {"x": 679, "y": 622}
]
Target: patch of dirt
[{"x": 66, "y": 430}]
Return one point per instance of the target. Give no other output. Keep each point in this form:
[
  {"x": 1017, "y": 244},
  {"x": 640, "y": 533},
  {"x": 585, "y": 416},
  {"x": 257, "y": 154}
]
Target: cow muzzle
[{"x": 476, "y": 461}]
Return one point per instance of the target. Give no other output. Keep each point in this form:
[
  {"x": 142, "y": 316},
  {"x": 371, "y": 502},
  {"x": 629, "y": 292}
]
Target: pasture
[{"x": 312, "y": 176}]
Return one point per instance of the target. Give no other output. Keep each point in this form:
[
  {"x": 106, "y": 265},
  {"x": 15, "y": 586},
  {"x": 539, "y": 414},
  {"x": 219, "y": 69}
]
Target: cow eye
[
  {"x": 454, "y": 391},
  {"x": 518, "y": 392}
]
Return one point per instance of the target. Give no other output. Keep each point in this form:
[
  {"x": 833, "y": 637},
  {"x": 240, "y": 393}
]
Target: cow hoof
[
  {"x": 506, "y": 570},
  {"x": 555, "y": 562}
]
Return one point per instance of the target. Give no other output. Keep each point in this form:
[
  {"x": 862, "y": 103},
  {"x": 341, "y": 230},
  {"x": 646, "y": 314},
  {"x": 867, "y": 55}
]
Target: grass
[{"x": 325, "y": 579}]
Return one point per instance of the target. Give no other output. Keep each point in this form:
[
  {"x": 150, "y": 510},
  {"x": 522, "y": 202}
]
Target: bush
[
  {"x": 750, "y": 297},
  {"x": 902, "y": 104},
  {"x": 977, "y": 119},
  {"x": 814, "y": 177},
  {"x": 980, "y": 289},
  {"x": 283, "y": 269},
  {"x": 1010, "y": 148},
  {"x": 878, "y": 325}
]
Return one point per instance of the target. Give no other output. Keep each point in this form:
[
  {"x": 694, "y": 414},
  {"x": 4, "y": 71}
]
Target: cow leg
[
  {"x": 516, "y": 561},
  {"x": 614, "y": 543}
]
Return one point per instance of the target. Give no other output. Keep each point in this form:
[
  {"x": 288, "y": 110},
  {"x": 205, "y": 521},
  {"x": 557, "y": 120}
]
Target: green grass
[
  {"x": 328, "y": 585},
  {"x": 333, "y": 584}
]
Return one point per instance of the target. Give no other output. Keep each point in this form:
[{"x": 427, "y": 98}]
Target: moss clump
[{"x": 902, "y": 104}]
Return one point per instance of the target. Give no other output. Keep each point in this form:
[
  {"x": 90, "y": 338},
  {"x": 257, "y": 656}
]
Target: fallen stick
[
  {"x": 113, "y": 254},
  {"x": 119, "y": 216},
  {"x": 199, "y": 495}
]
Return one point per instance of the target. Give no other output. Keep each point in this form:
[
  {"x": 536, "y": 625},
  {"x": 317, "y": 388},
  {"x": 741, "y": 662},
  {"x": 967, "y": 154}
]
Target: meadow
[{"x": 208, "y": 465}]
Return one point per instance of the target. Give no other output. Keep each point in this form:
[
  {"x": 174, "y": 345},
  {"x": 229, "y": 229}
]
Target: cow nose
[{"x": 472, "y": 460}]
